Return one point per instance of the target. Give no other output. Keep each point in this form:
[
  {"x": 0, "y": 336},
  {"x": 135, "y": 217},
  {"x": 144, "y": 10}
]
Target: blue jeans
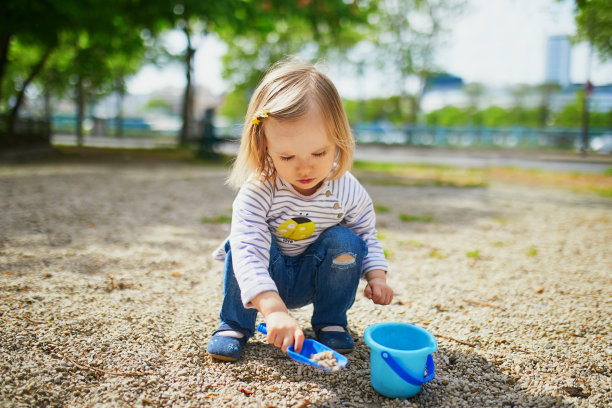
[{"x": 311, "y": 277}]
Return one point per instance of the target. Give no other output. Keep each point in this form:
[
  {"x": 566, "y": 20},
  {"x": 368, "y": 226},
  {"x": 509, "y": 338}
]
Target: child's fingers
[
  {"x": 273, "y": 339},
  {"x": 376, "y": 293},
  {"x": 299, "y": 340},
  {"x": 287, "y": 341},
  {"x": 368, "y": 291},
  {"x": 386, "y": 297}
]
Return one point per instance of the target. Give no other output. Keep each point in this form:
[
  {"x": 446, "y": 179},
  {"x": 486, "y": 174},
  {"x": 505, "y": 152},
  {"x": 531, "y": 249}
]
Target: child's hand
[
  {"x": 283, "y": 331},
  {"x": 377, "y": 289}
]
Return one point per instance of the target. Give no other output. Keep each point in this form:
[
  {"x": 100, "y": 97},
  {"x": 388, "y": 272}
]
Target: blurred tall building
[{"x": 558, "y": 50}]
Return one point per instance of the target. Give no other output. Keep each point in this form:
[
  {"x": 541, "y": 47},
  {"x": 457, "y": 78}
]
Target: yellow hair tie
[{"x": 263, "y": 114}]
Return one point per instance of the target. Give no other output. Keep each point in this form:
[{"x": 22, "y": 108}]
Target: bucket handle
[{"x": 406, "y": 376}]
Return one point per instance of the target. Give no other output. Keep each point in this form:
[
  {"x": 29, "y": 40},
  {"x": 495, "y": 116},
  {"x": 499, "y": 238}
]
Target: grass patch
[
  {"x": 418, "y": 175},
  {"x": 599, "y": 184},
  {"x": 533, "y": 251},
  {"x": 436, "y": 254},
  {"x": 411, "y": 242},
  {"x": 415, "y": 218},
  {"x": 426, "y": 175},
  {"x": 381, "y": 209},
  {"x": 475, "y": 254},
  {"x": 500, "y": 220},
  {"x": 603, "y": 192},
  {"x": 221, "y": 219},
  {"x": 499, "y": 244},
  {"x": 381, "y": 235}
]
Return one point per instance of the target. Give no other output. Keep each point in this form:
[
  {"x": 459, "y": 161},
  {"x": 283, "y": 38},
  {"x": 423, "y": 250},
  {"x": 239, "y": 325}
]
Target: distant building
[
  {"x": 558, "y": 51},
  {"x": 600, "y": 100}
]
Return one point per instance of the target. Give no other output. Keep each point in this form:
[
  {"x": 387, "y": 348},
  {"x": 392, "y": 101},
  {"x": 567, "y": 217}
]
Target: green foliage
[
  {"x": 273, "y": 29},
  {"x": 448, "y": 116},
  {"x": 436, "y": 254},
  {"x": 407, "y": 35},
  {"x": 495, "y": 116},
  {"x": 571, "y": 115},
  {"x": 475, "y": 254},
  {"x": 161, "y": 105},
  {"x": 235, "y": 105},
  {"x": 376, "y": 109},
  {"x": 594, "y": 21},
  {"x": 221, "y": 219},
  {"x": 415, "y": 218},
  {"x": 93, "y": 43},
  {"x": 381, "y": 209}
]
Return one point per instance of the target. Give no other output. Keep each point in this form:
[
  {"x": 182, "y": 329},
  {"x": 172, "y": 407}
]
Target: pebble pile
[
  {"x": 109, "y": 294},
  {"x": 327, "y": 359}
]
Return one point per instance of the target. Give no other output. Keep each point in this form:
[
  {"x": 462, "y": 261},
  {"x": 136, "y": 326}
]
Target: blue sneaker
[
  {"x": 225, "y": 348},
  {"x": 342, "y": 342}
]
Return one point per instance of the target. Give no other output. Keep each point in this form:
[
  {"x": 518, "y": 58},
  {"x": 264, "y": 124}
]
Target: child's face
[{"x": 301, "y": 150}]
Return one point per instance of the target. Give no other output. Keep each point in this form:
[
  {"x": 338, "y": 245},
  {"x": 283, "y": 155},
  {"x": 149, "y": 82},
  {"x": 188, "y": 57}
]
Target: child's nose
[{"x": 304, "y": 165}]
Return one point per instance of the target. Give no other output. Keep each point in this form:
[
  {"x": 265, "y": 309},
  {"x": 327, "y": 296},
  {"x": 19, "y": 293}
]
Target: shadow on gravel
[
  {"x": 466, "y": 379},
  {"x": 462, "y": 380}
]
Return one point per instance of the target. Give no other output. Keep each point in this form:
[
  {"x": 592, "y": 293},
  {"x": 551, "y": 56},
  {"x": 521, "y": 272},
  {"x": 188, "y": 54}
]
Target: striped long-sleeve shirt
[{"x": 263, "y": 210}]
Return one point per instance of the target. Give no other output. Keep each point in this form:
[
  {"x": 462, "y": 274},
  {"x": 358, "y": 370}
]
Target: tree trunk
[
  {"x": 188, "y": 94},
  {"x": 584, "y": 139},
  {"x": 13, "y": 115},
  {"x": 47, "y": 105},
  {"x": 80, "y": 102},
  {"x": 418, "y": 97},
  {"x": 119, "y": 117},
  {"x": 5, "y": 43}
]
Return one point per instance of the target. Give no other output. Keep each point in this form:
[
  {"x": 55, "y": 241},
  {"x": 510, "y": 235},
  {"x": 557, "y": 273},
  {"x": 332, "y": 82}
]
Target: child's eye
[
  {"x": 321, "y": 154},
  {"x": 286, "y": 158}
]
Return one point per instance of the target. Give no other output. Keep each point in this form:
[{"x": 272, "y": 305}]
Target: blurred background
[{"x": 504, "y": 74}]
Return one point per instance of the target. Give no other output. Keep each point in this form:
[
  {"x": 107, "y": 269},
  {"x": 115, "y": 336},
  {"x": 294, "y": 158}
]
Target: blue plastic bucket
[{"x": 400, "y": 358}]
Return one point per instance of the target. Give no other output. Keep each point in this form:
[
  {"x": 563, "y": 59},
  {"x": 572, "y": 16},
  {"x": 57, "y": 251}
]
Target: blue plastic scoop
[{"x": 310, "y": 347}]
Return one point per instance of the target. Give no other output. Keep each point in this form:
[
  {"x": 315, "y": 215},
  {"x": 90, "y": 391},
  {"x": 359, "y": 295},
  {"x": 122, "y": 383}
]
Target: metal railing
[{"x": 513, "y": 137}]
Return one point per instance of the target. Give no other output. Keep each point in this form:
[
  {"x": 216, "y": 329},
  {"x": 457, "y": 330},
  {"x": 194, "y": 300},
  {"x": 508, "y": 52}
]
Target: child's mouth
[{"x": 306, "y": 181}]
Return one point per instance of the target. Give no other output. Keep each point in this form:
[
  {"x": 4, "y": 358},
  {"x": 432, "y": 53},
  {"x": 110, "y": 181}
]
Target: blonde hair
[{"x": 287, "y": 92}]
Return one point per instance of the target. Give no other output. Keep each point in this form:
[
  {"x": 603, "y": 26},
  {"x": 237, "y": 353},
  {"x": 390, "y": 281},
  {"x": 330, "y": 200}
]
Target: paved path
[{"x": 542, "y": 160}]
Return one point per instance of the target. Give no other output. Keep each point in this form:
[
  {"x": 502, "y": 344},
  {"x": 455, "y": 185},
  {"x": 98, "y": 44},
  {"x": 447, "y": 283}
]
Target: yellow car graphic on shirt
[{"x": 296, "y": 228}]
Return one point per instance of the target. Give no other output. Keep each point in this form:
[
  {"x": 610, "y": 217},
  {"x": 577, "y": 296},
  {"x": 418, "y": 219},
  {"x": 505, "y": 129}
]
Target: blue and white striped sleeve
[
  {"x": 361, "y": 218},
  {"x": 250, "y": 241}
]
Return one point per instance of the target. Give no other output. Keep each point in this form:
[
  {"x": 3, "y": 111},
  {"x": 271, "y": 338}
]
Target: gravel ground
[{"x": 109, "y": 294}]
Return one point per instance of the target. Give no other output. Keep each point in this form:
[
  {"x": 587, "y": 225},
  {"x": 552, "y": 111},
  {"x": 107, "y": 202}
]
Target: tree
[
  {"x": 594, "y": 21},
  {"x": 546, "y": 90},
  {"x": 96, "y": 30},
  {"x": 474, "y": 92},
  {"x": 102, "y": 61},
  {"x": 196, "y": 19},
  {"x": 410, "y": 32},
  {"x": 277, "y": 28}
]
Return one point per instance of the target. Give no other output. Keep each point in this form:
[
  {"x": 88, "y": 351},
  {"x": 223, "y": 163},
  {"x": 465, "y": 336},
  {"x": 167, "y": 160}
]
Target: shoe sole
[{"x": 223, "y": 358}]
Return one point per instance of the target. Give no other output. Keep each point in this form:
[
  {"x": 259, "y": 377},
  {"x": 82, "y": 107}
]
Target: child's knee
[
  {"x": 342, "y": 237},
  {"x": 344, "y": 260}
]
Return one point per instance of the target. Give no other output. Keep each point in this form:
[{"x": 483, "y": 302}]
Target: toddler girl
[{"x": 303, "y": 228}]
